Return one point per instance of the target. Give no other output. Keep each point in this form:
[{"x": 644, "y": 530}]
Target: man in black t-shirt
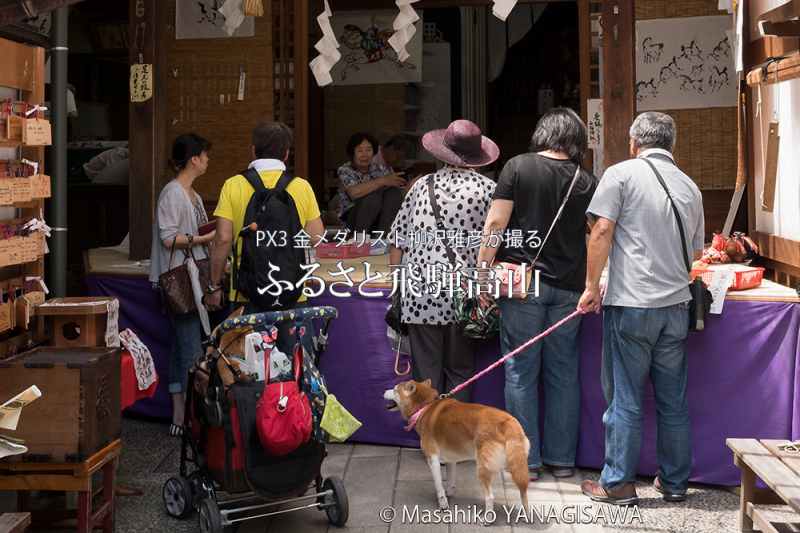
[{"x": 529, "y": 192}]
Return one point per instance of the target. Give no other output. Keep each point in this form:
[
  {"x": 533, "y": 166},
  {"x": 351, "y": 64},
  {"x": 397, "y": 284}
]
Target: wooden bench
[
  {"x": 774, "y": 509},
  {"x": 69, "y": 477}
]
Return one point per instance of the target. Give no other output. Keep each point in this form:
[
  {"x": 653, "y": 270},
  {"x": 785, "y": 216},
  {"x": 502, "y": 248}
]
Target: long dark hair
[
  {"x": 561, "y": 130},
  {"x": 185, "y": 147}
]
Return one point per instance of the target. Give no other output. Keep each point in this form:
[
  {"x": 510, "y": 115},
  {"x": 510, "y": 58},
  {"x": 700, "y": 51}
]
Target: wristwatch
[
  {"x": 211, "y": 289},
  {"x": 190, "y": 238}
]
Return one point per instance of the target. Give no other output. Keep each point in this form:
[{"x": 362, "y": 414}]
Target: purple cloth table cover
[
  {"x": 140, "y": 310},
  {"x": 743, "y": 379}
]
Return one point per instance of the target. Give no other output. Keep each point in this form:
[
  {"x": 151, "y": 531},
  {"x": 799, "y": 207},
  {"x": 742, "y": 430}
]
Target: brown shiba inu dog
[{"x": 451, "y": 431}]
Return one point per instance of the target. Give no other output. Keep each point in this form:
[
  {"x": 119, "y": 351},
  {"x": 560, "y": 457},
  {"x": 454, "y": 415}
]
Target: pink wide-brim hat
[{"x": 461, "y": 145}]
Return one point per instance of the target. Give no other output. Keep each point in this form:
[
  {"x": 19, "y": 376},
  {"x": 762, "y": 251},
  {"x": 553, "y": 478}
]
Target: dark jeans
[
  {"x": 187, "y": 346},
  {"x": 638, "y": 344},
  {"x": 443, "y": 355},
  {"x": 554, "y": 361},
  {"x": 375, "y": 211}
]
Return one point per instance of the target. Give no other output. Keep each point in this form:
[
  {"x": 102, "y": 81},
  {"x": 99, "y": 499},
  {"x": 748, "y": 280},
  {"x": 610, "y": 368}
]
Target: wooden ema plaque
[
  {"x": 18, "y": 250},
  {"x": 40, "y": 186},
  {"x": 14, "y": 127},
  {"x": 37, "y": 132},
  {"x": 6, "y": 192},
  {"x": 20, "y": 190}
]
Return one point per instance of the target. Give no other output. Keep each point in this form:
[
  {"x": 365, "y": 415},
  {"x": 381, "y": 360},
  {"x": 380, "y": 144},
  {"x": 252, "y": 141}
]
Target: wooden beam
[
  {"x": 14, "y": 12},
  {"x": 760, "y": 50},
  {"x": 619, "y": 80},
  {"x": 301, "y": 71},
  {"x": 348, "y": 5},
  {"x": 777, "y": 248},
  {"x": 786, "y": 28},
  {"x": 789, "y": 10},
  {"x": 747, "y": 59},
  {"x": 16, "y": 65},
  {"x": 585, "y": 52},
  {"x": 146, "y": 124},
  {"x": 585, "y": 57},
  {"x": 777, "y": 71}
]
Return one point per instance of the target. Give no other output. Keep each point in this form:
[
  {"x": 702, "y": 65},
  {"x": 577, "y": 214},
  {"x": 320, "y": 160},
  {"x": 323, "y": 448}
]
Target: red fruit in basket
[
  {"x": 718, "y": 242},
  {"x": 735, "y": 251}
]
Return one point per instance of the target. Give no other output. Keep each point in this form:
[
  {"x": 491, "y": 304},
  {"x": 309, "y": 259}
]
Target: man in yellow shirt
[{"x": 270, "y": 149}]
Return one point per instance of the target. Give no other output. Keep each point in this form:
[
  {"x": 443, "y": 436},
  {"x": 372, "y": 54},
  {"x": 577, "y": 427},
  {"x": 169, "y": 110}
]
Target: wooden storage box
[
  {"x": 76, "y": 322},
  {"x": 79, "y": 411}
]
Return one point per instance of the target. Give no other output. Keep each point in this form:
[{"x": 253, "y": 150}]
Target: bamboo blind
[
  {"x": 659, "y": 9},
  {"x": 200, "y": 73},
  {"x": 706, "y": 146}
]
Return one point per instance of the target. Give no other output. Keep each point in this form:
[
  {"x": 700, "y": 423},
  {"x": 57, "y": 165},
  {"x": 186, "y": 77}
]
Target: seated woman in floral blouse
[{"x": 370, "y": 193}]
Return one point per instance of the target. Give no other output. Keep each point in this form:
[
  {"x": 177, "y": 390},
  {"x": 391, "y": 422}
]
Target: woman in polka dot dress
[{"x": 439, "y": 351}]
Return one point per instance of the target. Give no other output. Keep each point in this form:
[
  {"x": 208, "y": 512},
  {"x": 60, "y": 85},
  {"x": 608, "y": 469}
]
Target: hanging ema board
[{"x": 684, "y": 63}]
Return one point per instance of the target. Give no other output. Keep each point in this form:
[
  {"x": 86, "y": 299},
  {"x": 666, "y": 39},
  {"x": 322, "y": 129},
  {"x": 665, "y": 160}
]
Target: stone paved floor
[{"x": 380, "y": 476}]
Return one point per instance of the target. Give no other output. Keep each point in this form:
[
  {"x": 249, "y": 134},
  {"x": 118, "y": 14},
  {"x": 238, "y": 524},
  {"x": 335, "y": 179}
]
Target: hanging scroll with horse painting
[
  {"x": 367, "y": 56},
  {"x": 684, "y": 63}
]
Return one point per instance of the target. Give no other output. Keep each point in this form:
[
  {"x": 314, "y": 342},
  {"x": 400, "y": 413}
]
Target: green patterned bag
[
  {"x": 476, "y": 321},
  {"x": 337, "y": 421}
]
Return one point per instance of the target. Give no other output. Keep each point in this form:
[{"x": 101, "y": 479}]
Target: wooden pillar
[
  {"x": 619, "y": 77},
  {"x": 585, "y": 52},
  {"x": 146, "y": 143},
  {"x": 301, "y": 75}
]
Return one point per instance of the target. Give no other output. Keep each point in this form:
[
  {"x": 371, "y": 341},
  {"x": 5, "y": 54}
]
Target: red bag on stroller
[{"x": 283, "y": 414}]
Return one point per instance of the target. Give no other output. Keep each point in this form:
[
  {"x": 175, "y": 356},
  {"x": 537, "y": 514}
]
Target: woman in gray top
[{"x": 179, "y": 214}]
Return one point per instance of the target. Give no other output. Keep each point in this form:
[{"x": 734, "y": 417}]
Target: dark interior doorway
[{"x": 541, "y": 71}]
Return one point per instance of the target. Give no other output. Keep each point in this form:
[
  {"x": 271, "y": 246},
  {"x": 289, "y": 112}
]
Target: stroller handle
[{"x": 273, "y": 317}]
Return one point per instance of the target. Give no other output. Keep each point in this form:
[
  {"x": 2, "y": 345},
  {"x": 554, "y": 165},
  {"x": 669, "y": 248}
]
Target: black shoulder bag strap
[
  {"x": 283, "y": 182},
  {"x": 254, "y": 179},
  {"x": 451, "y": 256},
  {"x": 674, "y": 210},
  {"x": 556, "y": 218}
]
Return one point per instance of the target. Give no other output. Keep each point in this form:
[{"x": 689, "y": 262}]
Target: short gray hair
[{"x": 653, "y": 130}]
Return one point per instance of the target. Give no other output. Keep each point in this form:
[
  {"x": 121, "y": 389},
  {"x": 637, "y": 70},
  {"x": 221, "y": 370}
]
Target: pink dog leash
[{"x": 412, "y": 421}]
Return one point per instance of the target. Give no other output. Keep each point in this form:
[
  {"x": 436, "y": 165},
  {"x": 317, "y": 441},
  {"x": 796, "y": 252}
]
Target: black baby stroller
[{"x": 221, "y": 451}]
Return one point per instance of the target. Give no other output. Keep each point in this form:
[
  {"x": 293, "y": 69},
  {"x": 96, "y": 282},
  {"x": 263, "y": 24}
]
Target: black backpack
[{"x": 275, "y": 261}]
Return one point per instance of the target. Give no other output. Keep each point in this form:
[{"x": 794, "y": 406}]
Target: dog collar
[{"x": 416, "y": 415}]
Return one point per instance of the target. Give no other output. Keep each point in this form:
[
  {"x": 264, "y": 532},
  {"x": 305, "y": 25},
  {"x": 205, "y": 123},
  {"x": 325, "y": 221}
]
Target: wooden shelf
[{"x": 22, "y": 70}]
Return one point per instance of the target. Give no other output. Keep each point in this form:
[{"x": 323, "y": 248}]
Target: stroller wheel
[
  {"x": 336, "y": 505},
  {"x": 209, "y": 517},
  {"x": 177, "y": 496}
]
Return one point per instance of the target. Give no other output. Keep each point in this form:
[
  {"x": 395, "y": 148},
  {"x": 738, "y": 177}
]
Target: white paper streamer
[
  {"x": 328, "y": 49},
  {"x": 234, "y": 15},
  {"x": 404, "y": 28},
  {"x": 502, "y": 8},
  {"x": 142, "y": 358}
]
